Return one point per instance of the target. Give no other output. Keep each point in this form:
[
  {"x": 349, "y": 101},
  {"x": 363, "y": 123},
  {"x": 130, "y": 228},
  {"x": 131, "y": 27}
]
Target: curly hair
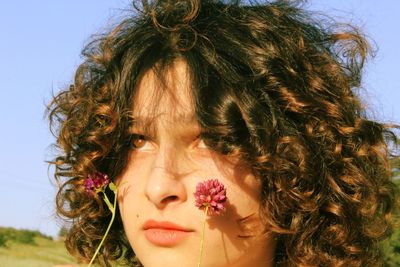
[{"x": 273, "y": 85}]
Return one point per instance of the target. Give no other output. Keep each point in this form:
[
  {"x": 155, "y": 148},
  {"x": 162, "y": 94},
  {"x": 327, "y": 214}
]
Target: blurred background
[{"x": 40, "y": 48}]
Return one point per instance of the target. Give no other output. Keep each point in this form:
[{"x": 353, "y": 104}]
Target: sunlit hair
[{"x": 272, "y": 85}]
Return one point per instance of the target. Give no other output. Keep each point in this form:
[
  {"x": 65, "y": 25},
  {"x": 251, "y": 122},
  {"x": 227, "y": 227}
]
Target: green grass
[
  {"x": 41, "y": 251},
  {"x": 26, "y": 248}
]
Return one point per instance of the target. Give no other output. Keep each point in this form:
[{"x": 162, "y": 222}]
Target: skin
[{"x": 164, "y": 166}]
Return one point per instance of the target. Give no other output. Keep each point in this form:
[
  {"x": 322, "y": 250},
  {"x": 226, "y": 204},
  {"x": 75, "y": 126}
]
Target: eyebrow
[
  {"x": 148, "y": 125},
  {"x": 180, "y": 118}
]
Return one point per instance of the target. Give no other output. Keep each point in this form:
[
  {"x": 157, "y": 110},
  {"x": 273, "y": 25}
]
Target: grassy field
[{"x": 33, "y": 251}]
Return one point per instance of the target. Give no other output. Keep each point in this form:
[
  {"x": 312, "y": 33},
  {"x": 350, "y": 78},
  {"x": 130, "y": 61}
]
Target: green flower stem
[
  {"x": 112, "y": 209},
  {"x": 202, "y": 237}
]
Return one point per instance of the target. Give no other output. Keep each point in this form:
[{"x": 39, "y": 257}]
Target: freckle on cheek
[{"x": 137, "y": 215}]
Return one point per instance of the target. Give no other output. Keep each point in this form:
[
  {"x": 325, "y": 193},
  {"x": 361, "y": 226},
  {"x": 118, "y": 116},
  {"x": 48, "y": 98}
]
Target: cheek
[
  {"x": 132, "y": 215},
  {"x": 128, "y": 207},
  {"x": 129, "y": 202},
  {"x": 243, "y": 189},
  {"x": 242, "y": 214}
]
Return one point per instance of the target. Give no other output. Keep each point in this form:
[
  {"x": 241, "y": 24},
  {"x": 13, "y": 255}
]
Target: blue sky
[{"x": 40, "y": 48}]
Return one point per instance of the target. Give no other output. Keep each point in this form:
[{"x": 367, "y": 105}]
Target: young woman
[{"x": 262, "y": 98}]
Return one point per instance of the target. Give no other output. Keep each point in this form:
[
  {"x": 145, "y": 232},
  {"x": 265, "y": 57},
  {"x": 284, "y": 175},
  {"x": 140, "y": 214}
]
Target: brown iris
[{"x": 137, "y": 141}]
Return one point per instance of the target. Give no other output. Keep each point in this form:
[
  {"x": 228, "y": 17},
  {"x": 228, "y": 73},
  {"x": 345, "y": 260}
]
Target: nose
[{"x": 164, "y": 185}]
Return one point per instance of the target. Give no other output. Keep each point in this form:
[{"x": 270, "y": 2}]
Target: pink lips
[{"x": 165, "y": 234}]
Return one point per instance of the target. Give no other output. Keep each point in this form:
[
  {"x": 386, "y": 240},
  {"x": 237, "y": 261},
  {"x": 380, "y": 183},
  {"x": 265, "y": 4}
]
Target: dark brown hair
[{"x": 272, "y": 85}]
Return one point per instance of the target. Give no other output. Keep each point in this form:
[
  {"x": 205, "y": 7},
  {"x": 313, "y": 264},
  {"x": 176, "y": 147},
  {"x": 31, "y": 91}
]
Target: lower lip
[{"x": 165, "y": 237}]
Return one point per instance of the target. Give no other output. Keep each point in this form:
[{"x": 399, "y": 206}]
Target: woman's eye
[{"x": 140, "y": 142}]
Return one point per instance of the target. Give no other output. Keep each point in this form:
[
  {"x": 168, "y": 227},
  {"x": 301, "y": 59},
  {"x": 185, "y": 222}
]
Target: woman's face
[{"x": 166, "y": 162}]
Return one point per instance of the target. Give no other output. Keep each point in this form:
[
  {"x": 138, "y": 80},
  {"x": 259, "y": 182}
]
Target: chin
[{"x": 169, "y": 259}]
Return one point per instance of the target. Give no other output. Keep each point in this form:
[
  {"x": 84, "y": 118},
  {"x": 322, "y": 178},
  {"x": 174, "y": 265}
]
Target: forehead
[{"x": 164, "y": 93}]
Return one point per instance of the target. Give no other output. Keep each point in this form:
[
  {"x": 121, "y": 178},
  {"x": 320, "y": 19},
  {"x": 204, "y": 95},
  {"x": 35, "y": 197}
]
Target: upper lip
[{"x": 152, "y": 224}]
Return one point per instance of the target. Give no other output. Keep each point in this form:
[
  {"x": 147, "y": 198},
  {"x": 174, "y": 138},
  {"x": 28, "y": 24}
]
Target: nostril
[{"x": 170, "y": 199}]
